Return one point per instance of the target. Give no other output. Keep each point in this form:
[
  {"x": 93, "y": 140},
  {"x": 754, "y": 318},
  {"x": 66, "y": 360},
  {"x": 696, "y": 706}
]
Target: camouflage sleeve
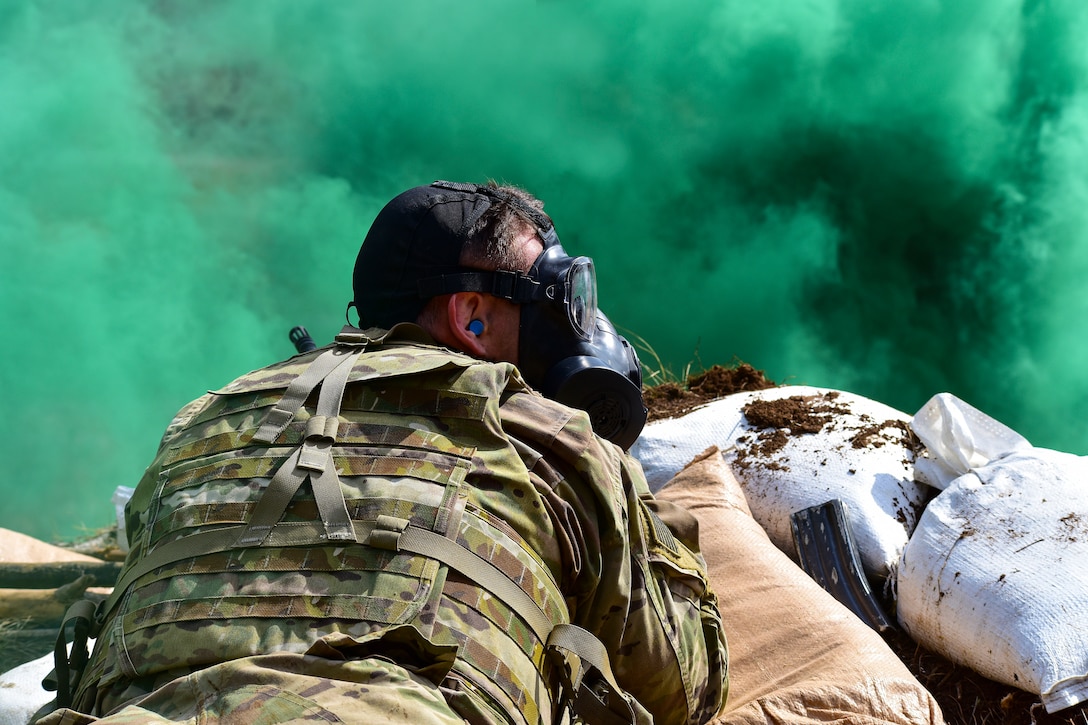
[
  {"x": 672, "y": 653},
  {"x": 681, "y": 604},
  {"x": 642, "y": 585}
]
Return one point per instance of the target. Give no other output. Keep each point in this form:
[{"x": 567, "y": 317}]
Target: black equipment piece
[
  {"x": 826, "y": 549},
  {"x": 301, "y": 339}
]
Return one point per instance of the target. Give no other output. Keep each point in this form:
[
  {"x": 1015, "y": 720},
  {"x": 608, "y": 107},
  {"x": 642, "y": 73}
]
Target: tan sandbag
[
  {"x": 796, "y": 655},
  {"x": 20, "y": 548},
  {"x": 37, "y": 607}
]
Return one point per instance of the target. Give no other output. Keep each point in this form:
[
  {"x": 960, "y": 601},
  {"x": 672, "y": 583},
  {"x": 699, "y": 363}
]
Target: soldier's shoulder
[{"x": 532, "y": 417}]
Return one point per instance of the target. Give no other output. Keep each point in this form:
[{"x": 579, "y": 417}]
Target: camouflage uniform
[{"x": 307, "y": 609}]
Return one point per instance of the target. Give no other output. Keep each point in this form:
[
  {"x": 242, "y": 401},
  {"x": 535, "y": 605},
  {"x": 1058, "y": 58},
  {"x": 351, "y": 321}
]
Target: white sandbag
[
  {"x": 994, "y": 576},
  {"x": 958, "y": 437},
  {"x": 857, "y": 450},
  {"x": 121, "y": 496},
  {"x": 21, "y": 691}
]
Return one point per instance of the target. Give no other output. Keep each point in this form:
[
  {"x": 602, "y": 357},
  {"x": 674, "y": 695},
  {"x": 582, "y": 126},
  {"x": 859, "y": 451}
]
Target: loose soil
[
  {"x": 670, "y": 400},
  {"x": 965, "y": 697}
]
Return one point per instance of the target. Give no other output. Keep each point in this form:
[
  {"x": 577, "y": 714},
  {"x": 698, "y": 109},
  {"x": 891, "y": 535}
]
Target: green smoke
[{"x": 888, "y": 199}]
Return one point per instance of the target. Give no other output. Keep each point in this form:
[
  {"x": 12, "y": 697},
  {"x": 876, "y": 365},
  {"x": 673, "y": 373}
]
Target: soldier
[{"x": 398, "y": 527}]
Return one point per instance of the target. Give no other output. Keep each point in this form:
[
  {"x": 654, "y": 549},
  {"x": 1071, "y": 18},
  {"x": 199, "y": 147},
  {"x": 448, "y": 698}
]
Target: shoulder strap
[
  {"x": 313, "y": 456},
  {"x": 589, "y": 687},
  {"x": 68, "y": 668},
  {"x": 395, "y": 534}
]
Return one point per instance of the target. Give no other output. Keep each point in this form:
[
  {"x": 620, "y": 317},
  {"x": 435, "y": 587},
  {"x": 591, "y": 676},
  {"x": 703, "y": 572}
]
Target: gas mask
[
  {"x": 568, "y": 349},
  {"x": 570, "y": 352}
]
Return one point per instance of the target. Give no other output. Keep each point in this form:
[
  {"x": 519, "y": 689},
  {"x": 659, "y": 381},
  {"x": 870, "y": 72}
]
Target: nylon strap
[
  {"x": 326, "y": 486},
  {"x": 395, "y": 533},
  {"x": 312, "y": 460},
  {"x": 575, "y": 647},
  {"x": 331, "y": 505},
  {"x": 274, "y": 501},
  {"x": 68, "y": 669},
  {"x": 298, "y": 391}
]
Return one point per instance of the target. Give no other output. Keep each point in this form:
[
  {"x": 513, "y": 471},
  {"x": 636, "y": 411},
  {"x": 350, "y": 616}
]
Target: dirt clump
[
  {"x": 776, "y": 421},
  {"x": 720, "y": 381},
  {"x": 673, "y": 399},
  {"x": 798, "y": 413}
]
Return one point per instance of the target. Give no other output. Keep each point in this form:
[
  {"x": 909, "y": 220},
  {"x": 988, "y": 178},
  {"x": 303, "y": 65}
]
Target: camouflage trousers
[{"x": 286, "y": 688}]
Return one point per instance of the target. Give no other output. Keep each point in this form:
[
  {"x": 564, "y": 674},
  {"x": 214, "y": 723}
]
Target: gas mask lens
[{"x": 580, "y": 297}]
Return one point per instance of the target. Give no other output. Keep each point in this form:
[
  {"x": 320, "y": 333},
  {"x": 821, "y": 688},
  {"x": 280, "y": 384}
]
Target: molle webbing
[
  {"x": 313, "y": 459},
  {"x": 580, "y": 659},
  {"x": 395, "y": 534}
]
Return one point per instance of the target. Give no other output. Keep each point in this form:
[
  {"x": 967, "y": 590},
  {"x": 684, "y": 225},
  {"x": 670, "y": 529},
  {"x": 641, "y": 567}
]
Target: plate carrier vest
[{"x": 386, "y": 517}]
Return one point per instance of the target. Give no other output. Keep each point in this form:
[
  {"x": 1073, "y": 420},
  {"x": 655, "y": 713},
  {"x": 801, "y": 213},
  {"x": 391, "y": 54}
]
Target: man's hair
[{"x": 490, "y": 243}]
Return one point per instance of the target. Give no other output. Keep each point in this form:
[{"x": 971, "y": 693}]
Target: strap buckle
[
  {"x": 589, "y": 688},
  {"x": 68, "y": 668},
  {"x": 320, "y": 436},
  {"x": 386, "y": 533}
]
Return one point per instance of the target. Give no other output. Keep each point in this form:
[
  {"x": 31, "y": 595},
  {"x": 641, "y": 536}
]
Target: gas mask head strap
[{"x": 517, "y": 287}]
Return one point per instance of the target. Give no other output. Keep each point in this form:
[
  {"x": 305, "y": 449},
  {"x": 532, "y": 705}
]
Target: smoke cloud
[{"x": 889, "y": 200}]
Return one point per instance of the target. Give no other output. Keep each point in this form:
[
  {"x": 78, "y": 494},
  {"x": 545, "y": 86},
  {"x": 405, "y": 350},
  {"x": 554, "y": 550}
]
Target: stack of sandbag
[
  {"x": 795, "y": 447},
  {"x": 32, "y": 611},
  {"x": 796, "y": 655},
  {"x": 995, "y": 577}
]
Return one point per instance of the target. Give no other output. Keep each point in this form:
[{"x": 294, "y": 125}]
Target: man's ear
[{"x": 467, "y": 315}]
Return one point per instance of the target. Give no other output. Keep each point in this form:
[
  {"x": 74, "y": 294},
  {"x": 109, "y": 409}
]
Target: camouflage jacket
[{"x": 437, "y": 441}]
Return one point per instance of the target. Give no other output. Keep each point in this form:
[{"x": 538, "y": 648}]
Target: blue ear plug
[{"x": 476, "y": 327}]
